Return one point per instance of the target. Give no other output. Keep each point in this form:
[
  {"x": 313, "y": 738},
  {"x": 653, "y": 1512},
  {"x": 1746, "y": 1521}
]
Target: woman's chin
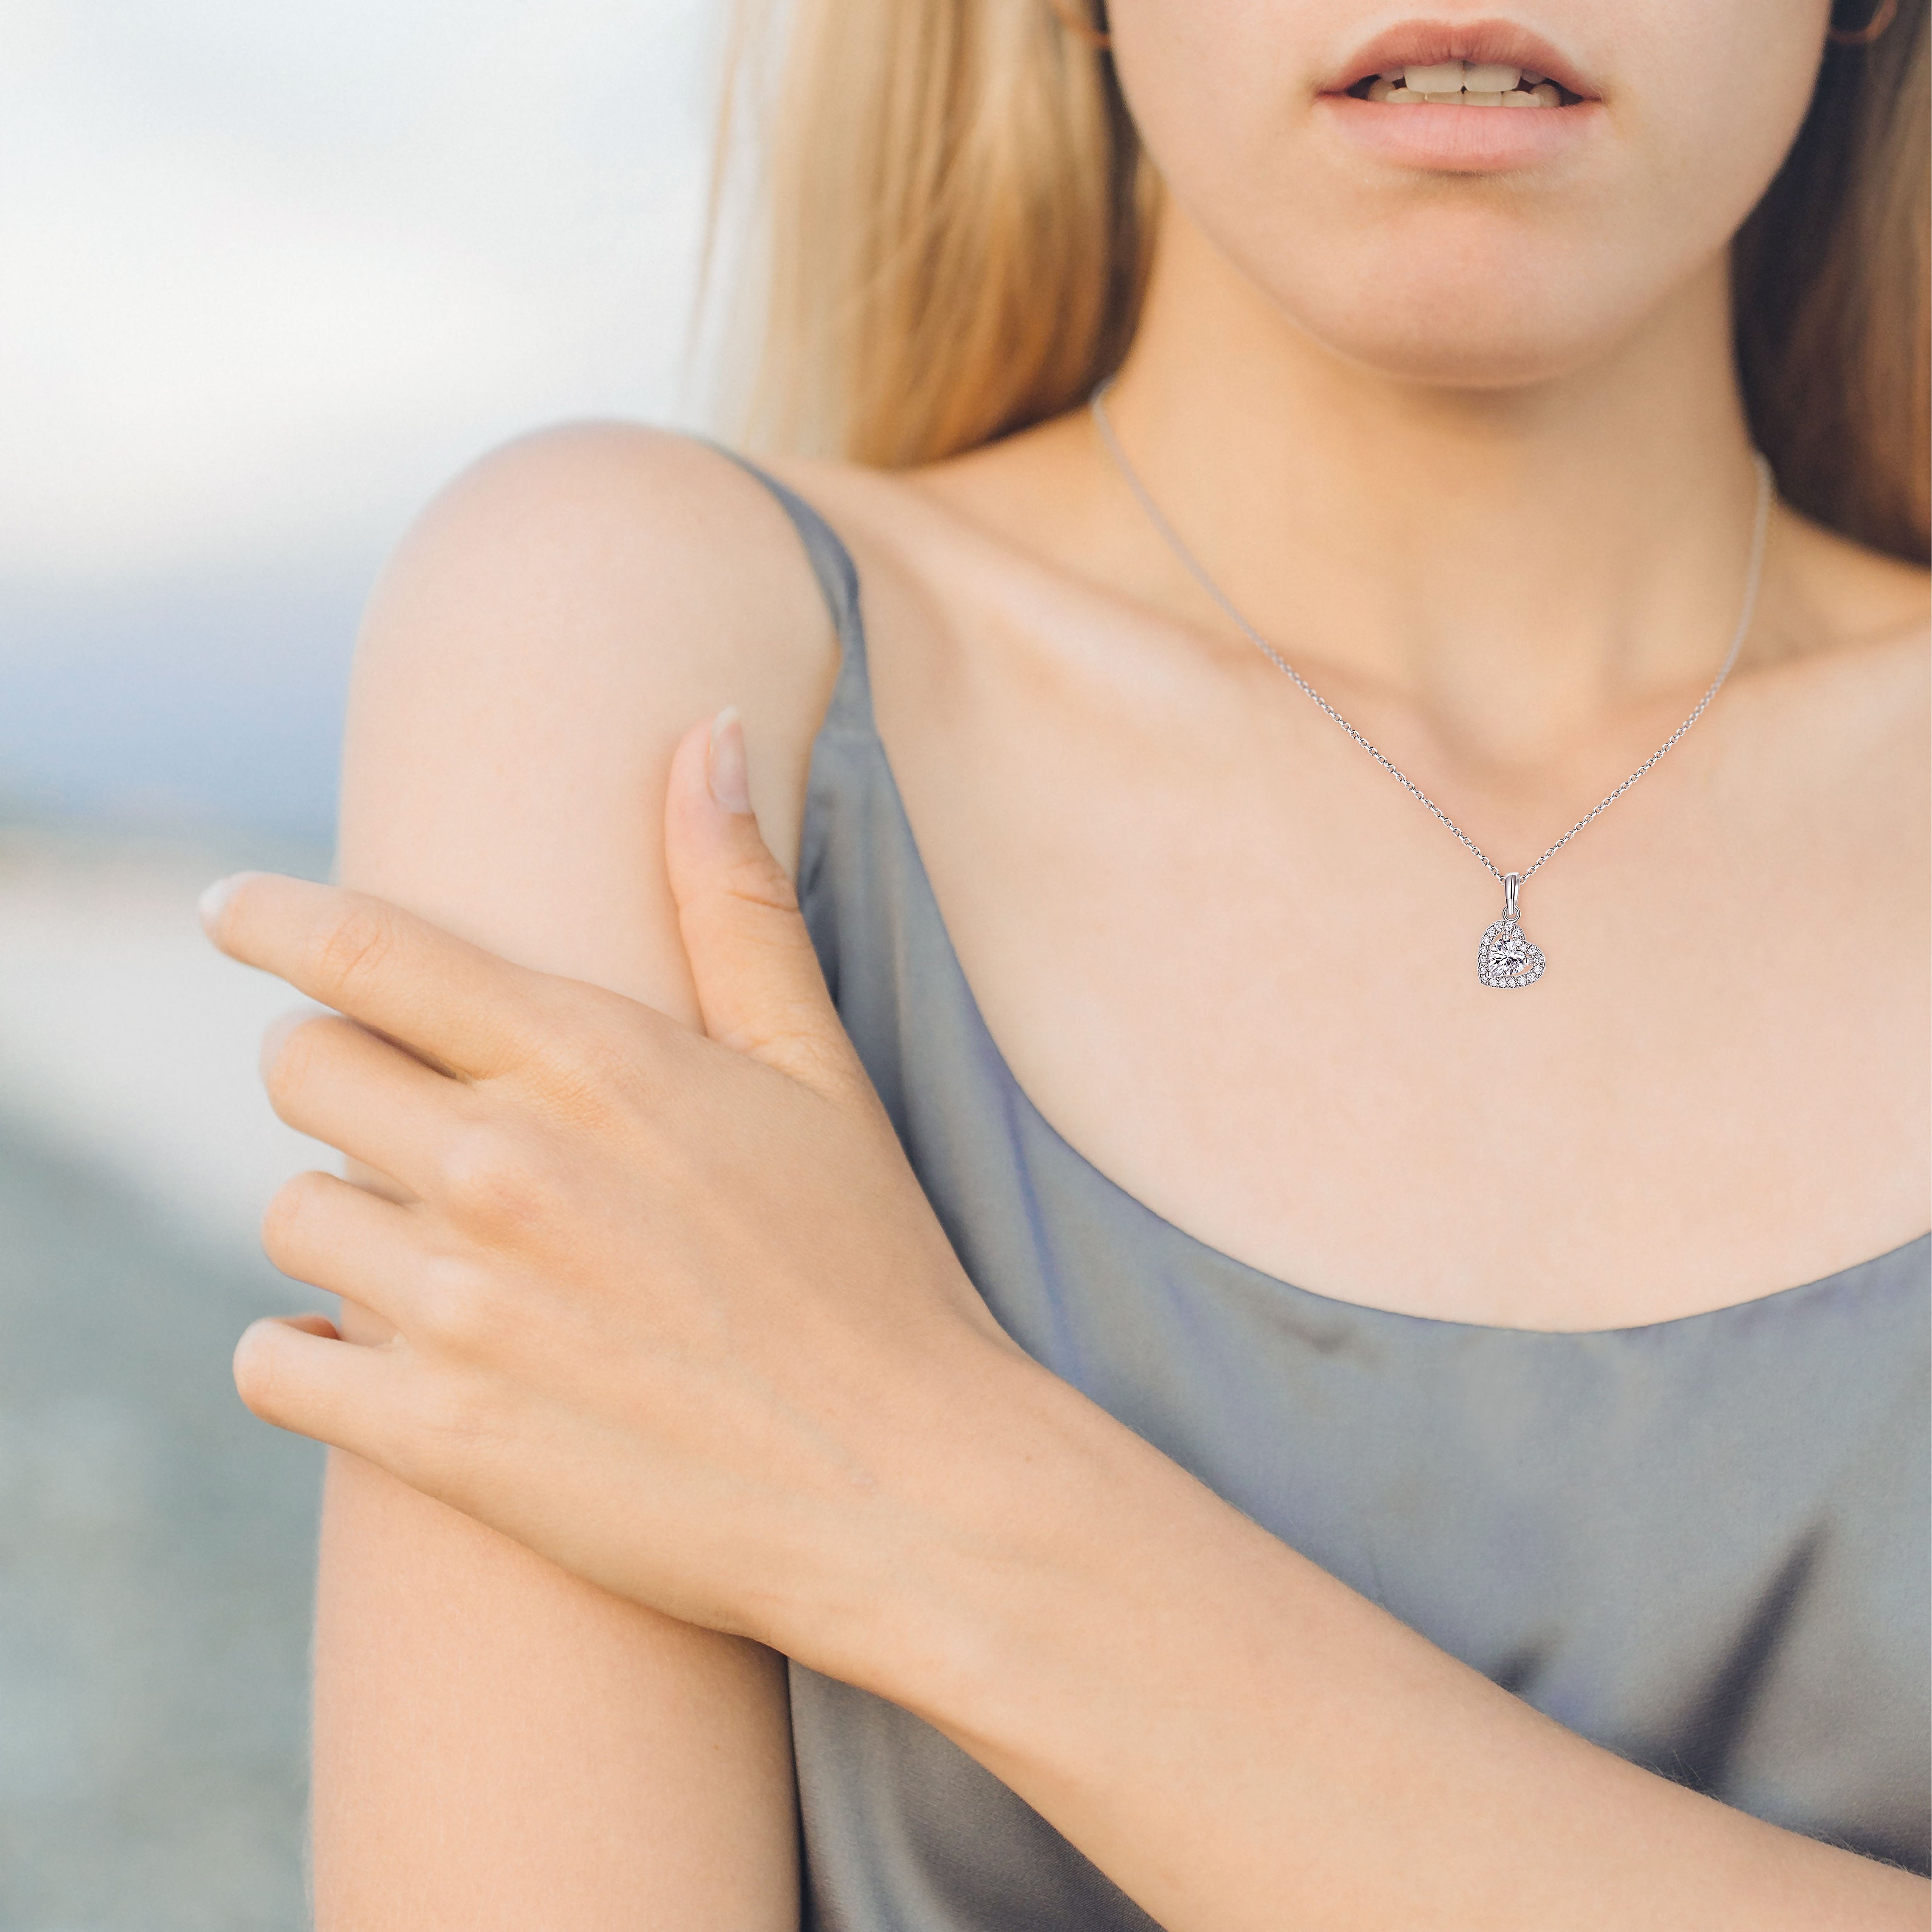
[{"x": 1451, "y": 336}]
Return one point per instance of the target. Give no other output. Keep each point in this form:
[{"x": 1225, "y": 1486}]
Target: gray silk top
[{"x": 1702, "y": 1543}]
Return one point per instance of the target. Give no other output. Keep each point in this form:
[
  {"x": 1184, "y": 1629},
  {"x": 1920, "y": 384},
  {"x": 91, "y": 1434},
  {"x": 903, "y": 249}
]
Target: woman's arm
[
  {"x": 1242, "y": 1743},
  {"x": 496, "y": 1743}
]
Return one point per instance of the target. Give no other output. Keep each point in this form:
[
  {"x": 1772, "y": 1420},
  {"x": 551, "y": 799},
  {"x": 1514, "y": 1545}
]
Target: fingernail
[
  {"x": 725, "y": 761},
  {"x": 210, "y": 903}
]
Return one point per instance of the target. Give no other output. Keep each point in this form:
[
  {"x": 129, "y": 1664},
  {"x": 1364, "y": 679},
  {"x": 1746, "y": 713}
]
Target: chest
[{"x": 1234, "y": 963}]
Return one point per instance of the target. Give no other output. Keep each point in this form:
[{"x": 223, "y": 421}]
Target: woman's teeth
[{"x": 1465, "y": 84}]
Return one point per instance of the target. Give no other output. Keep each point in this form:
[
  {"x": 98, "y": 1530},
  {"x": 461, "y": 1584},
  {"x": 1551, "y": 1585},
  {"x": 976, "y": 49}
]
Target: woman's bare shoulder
[
  {"x": 1850, "y": 597},
  {"x": 606, "y": 514},
  {"x": 548, "y": 630}
]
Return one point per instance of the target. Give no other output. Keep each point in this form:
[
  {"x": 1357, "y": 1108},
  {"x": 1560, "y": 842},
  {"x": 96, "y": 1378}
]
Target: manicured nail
[
  {"x": 210, "y": 903},
  {"x": 725, "y": 761}
]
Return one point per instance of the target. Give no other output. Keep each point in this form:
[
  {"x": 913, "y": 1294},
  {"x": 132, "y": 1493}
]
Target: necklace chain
[{"x": 1753, "y": 573}]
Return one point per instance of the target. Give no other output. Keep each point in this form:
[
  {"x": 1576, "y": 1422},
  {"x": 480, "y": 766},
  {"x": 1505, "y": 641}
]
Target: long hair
[{"x": 959, "y": 217}]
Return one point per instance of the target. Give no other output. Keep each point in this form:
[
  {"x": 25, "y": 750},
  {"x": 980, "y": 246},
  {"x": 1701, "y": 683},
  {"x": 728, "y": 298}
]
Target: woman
[{"x": 1574, "y": 1571}]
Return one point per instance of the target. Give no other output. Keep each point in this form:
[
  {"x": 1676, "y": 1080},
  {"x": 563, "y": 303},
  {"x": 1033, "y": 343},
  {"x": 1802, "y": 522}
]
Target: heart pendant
[{"x": 1505, "y": 956}]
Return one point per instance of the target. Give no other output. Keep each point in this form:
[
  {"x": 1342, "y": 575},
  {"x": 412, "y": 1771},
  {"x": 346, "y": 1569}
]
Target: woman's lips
[
  {"x": 1481, "y": 43},
  {"x": 1444, "y": 139},
  {"x": 1480, "y": 96}
]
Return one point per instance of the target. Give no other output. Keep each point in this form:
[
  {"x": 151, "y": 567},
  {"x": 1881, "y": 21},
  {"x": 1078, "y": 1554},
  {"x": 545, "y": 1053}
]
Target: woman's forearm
[{"x": 1240, "y": 1741}]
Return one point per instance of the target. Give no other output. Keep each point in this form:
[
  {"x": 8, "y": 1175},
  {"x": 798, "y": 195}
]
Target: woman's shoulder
[
  {"x": 567, "y": 606},
  {"x": 638, "y": 546},
  {"x": 1851, "y": 597},
  {"x": 1848, "y": 644}
]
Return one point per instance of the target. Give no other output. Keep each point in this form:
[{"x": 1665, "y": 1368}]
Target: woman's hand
[{"x": 663, "y": 1306}]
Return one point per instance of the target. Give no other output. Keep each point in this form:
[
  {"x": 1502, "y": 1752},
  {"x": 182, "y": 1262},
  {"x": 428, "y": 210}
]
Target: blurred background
[{"x": 268, "y": 276}]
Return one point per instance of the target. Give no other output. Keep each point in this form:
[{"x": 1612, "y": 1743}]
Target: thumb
[{"x": 760, "y": 987}]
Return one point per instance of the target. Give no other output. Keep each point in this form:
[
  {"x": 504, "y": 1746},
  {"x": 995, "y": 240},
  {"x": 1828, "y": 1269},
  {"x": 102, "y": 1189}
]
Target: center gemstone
[{"x": 1510, "y": 953}]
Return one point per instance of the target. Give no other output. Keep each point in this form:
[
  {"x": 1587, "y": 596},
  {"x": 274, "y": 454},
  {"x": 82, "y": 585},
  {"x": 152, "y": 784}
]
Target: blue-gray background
[{"x": 269, "y": 275}]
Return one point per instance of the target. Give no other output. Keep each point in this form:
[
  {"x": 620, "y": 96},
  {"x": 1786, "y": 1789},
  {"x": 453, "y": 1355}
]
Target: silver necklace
[{"x": 1504, "y": 955}]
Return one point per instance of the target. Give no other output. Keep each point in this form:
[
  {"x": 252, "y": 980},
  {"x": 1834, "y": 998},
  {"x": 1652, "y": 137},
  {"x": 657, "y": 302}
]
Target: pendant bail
[{"x": 1512, "y": 884}]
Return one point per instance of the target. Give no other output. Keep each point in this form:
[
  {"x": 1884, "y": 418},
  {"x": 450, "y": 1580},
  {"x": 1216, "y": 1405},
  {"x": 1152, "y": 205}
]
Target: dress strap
[{"x": 838, "y": 580}]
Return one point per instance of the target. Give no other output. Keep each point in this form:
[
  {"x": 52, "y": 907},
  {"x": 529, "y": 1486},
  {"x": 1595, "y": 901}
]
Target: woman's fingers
[
  {"x": 452, "y": 1002},
  {"x": 387, "y": 1258},
  {"x": 313, "y": 1324},
  {"x": 345, "y": 1240},
  {"x": 338, "y": 1083},
  {"x": 437, "y": 1427},
  {"x": 760, "y": 986},
  {"x": 291, "y": 1371}
]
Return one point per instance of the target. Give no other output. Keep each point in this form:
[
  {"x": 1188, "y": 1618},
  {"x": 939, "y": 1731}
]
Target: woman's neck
[{"x": 1510, "y": 560}]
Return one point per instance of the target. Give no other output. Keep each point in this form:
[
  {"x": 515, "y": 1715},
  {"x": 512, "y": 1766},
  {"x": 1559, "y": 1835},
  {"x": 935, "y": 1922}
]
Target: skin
[{"x": 1469, "y": 446}]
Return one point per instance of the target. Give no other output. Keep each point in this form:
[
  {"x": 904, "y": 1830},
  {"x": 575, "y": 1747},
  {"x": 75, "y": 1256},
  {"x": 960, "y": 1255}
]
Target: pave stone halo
[{"x": 1506, "y": 957}]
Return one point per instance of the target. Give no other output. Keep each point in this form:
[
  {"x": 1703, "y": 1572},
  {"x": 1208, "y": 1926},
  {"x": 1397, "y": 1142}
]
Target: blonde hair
[{"x": 960, "y": 217}]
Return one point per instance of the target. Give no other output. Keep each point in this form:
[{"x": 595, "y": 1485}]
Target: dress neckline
[{"x": 1174, "y": 1233}]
